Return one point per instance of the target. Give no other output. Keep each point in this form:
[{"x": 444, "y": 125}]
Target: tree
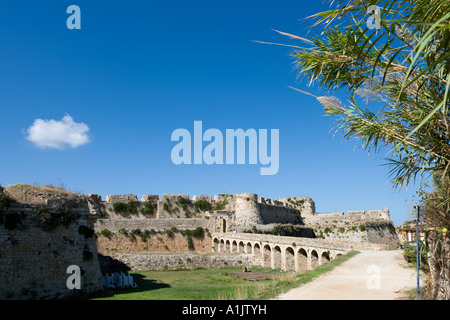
[
  {"x": 404, "y": 66},
  {"x": 401, "y": 64}
]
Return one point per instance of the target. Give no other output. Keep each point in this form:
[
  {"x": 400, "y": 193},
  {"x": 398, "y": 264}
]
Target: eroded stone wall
[{"x": 34, "y": 258}]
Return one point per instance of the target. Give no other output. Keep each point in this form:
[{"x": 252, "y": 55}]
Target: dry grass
[{"x": 25, "y": 193}]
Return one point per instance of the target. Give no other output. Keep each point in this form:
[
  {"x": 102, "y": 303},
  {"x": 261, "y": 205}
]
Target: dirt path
[{"x": 370, "y": 275}]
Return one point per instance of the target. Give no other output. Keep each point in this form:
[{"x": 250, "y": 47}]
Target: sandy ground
[{"x": 370, "y": 275}]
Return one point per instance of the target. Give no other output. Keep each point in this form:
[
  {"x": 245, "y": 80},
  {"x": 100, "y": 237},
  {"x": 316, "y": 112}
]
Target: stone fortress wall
[
  {"x": 247, "y": 211},
  {"x": 39, "y": 240},
  {"x": 170, "y": 232}
]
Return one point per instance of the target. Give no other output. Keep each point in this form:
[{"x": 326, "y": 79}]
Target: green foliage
[
  {"x": 167, "y": 207},
  {"x": 148, "y": 208},
  {"x": 106, "y": 233},
  {"x": 221, "y": 205},
  {"x": 198, "y": 232},
  {"x": 170, "y": 233},
  {"x": 184, "y": 202},
  {"x": 123, "y": 231},
  {"x": 404, "y": 65},
  {"x": 119, "y": 207},
  {"x": 126, "y": 208},
  {"x": 410, "y": 253},
  {"x": 202, "y": 205},
  {"x": 362, "y": 227},
  {"x": 190, "y": 242},
  {"x": 145, "y": 235},
  {"x": 5, "y": 201},
  {"x": 51, "y": 220}
]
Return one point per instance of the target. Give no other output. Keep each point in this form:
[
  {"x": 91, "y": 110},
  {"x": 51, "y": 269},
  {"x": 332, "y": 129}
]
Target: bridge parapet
[{"x": 280, "y": 252}]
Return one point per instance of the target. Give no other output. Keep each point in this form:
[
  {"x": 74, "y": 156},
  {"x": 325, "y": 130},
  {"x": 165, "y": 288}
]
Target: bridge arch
[
  {"x": 249, "y": 248},
  {"x": 302, "y": 260},
  {"x": 234, "y": 247},
  {"x": 216, "y": 245},
  {"x": 277, "y": 258},
  {"x": 258, "y": 253},
  {"x": 241, "y": 247},
  {"x": 286, "y": 253},
  {"x": 267, "y": 256},
  {"x": 314, "y": 259},
  {"x": 289, "y": 259},
  {"x": 324, "y": 257}
]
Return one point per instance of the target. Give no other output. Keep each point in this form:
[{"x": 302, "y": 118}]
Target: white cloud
[{"x": 58, "y": 134}]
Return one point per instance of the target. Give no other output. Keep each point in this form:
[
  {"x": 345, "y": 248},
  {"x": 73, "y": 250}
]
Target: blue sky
[{"x": 136, "y": 71}]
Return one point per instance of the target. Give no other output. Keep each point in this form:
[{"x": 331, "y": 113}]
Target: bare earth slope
[{"x": 370, "y": 275}]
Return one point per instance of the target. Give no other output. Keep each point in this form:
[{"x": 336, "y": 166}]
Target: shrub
[
  {"x": 127, "y": 208},
  {"x": 166, "y": 207},
  {"x": 202, "y": 205},
  {"x": 123, "y": 231},
  {"x": 149, "y": 207},
  {"x": 144, "y": 235},
  {"x": 184, "y": 202},
  {"x": 362, "y": 227},
  {"x": 190, "y": 242},
  {"x": 221, "y": 205},
  {"x": 106, "y": 233},
  {"x": 170, "y": 233},
  {"x": 50, "y": 221},
  {"x": 119, "y": 207},
  {"x": 197, "y": 233},
  {"x": 5, "y": 201}
]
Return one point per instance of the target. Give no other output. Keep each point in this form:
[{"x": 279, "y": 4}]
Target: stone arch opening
[
  {"x": 314, "y": 259},
  {"x": 267, "y": 256},
  {"x": 325, "y": 257},
  {"x": 241, "y": 247},
  {"x": 258, "y": 254},
  {"x": 222, "y": 246},
  {"x": 216, "y": 245},
  {"x": 227, "y": 246},
  {"x": 302, "y": 260},
  {"x": 249, "y": 248},
  {"x": 289, "y": 259},
  {"x": 234, "y": 246},
  {"x": 277, "y": 262}
]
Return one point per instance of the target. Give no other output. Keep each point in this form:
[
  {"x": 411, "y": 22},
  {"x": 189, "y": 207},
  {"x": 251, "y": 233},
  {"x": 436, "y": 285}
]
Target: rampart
[
  {"x": 248, "y": 209},
  {"x": 38, "y": 242},
  {"x": 47, "y": 230}
]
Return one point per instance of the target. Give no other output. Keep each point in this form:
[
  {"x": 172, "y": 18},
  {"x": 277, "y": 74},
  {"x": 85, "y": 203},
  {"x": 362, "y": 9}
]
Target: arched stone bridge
[{"x": 279, "y": 252}]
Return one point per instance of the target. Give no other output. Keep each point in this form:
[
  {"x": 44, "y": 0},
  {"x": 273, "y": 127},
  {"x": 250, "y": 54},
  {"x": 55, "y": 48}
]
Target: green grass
[{"x": 213, "y": 284}]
